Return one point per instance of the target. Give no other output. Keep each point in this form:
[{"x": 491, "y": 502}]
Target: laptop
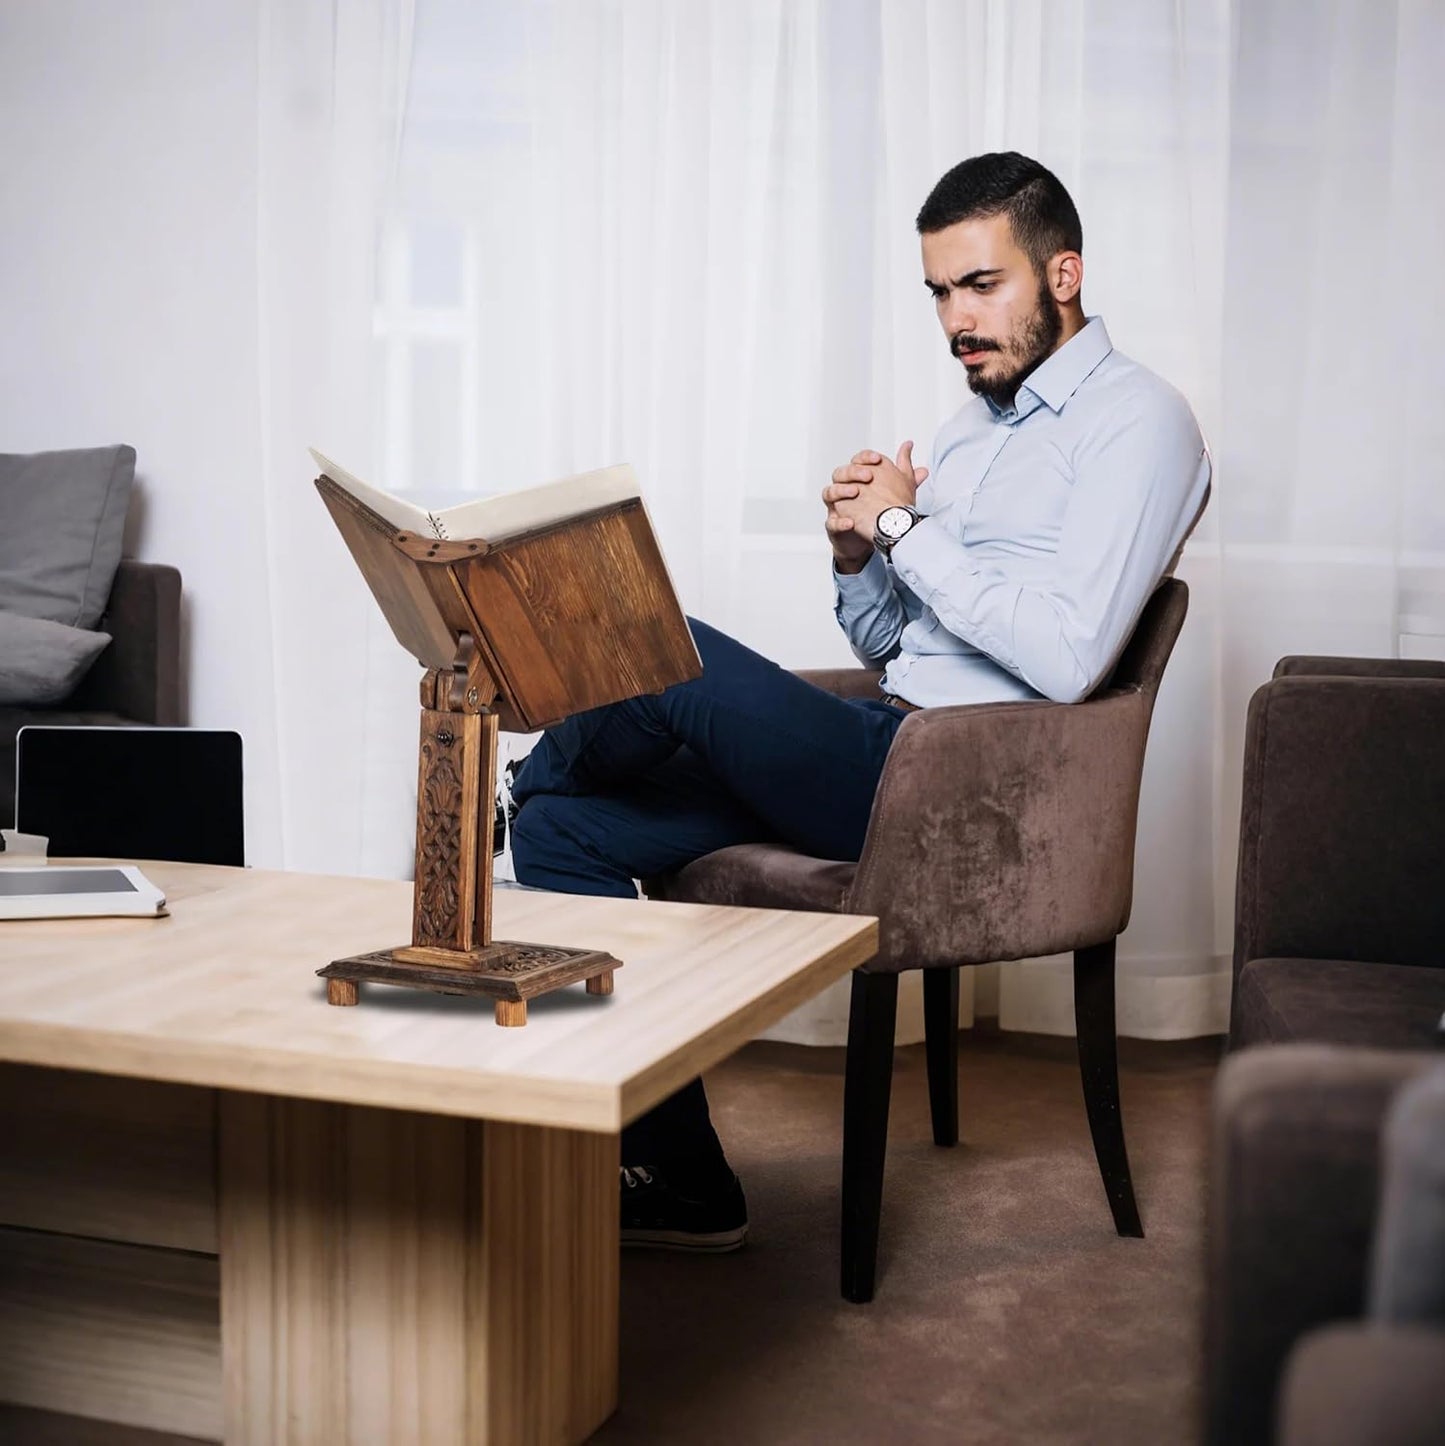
[{"x": 132, "y": 793}]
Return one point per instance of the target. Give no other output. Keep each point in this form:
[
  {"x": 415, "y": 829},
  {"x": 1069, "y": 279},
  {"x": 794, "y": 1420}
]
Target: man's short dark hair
[{"x": 1039, "y": 209}]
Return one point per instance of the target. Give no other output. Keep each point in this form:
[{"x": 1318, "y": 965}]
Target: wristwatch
[{"x": 892, "y": 524}]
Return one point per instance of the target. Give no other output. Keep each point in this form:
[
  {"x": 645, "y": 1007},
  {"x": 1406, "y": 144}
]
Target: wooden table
[{"x": 229, "y": 1211}]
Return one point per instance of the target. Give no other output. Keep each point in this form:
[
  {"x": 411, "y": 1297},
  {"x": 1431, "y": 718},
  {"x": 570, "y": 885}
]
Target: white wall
[{"x": 128, "y": 292}]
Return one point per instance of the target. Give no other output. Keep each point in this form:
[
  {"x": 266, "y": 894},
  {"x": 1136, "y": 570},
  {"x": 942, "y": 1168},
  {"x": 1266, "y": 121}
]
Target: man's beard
[{"x": 1038, "y": 336}]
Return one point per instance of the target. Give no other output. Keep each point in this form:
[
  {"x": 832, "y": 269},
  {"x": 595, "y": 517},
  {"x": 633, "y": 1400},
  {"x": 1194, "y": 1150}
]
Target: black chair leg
[
  {"x": 940, "y": 1035},
  {"x": 868, "y": 1084},
  {"x": 1099, "y": 1070}
]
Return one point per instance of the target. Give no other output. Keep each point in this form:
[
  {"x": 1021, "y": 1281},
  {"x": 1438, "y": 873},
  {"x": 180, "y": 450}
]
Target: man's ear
[{"x": 1066, "y": 276}]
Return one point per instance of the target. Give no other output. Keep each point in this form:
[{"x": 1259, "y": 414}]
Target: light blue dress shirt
[{"x": 1047, "y": 528}]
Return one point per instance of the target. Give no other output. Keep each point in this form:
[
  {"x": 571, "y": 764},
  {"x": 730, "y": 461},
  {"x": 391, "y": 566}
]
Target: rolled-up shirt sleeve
[
  {"x": 1140, "y": 480},
  {"x": 869, "y": 611}
]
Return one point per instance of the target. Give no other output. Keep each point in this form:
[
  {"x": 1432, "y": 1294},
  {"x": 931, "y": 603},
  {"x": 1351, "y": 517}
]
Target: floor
[{"x": 1007, "y": 1309}]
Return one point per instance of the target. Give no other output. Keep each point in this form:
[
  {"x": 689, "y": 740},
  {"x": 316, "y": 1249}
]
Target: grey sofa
[
  {"x": 135, "y": 680},
  {"x": 1338, "y": 993}
]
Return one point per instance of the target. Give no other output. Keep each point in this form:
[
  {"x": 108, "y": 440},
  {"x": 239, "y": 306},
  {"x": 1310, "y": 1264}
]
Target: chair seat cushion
[
  {"x": 1337, "y": 1001},
  {"x": 763, "y": 876}
]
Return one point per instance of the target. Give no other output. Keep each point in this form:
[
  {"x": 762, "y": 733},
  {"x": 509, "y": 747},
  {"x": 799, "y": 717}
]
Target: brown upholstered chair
[{"x": 999, "y": 831}]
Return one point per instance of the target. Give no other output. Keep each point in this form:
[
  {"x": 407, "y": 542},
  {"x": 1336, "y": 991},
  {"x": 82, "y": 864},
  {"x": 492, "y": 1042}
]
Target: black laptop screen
[{"x": 132, "y": 793}]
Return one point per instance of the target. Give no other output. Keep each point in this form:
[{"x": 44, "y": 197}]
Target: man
[{"x": 1060, "y": 495}]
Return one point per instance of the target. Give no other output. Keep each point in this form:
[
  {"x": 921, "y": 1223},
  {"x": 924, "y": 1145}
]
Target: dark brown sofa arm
[
  {"x": 1344, "y": 790},
  {"x": 1039, "y": 798},
  {"x": 1305, "y": 665},
  {"x": 138, "y": 675},
  {"x": 1294, "y": 1181}
]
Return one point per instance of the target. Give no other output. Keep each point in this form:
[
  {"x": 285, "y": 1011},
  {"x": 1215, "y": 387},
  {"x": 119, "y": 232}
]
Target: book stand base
[
  {"x": 451, "y": 949},
  {"x": 507, "y": 972}
]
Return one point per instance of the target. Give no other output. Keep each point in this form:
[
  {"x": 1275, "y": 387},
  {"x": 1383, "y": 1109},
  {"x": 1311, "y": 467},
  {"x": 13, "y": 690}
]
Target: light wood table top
[{"x": 223, "y": 993}]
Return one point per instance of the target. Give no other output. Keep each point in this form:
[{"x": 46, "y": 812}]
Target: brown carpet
[{"x": 1007, "y": 1309}]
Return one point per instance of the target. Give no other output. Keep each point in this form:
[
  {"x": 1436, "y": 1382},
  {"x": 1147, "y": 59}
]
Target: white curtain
[
  {"x": 505, "y": 241},
  {"x": 331, "y": 92}
]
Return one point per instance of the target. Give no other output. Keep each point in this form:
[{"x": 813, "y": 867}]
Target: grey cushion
[
  {"x": 62, "y": 516},
  {"x": 41, "y": 661}
]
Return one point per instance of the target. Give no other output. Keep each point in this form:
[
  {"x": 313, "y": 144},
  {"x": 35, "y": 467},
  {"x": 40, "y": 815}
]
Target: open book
[
  {"x": 562, "y": 589},
  {"x": 493, "y": 519}
]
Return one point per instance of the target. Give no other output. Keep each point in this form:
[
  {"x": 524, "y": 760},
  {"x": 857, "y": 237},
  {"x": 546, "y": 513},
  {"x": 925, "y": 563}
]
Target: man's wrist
[{"x": 850, "y": 566}]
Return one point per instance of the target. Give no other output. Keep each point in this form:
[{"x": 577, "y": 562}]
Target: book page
[
  {"x": 494, "y": 519},
  {"x": 404, "y": 516}
]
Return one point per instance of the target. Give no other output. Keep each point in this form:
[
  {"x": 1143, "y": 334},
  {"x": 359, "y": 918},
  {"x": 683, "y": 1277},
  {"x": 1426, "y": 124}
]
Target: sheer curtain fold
[
  {"x": 330, "y": 90},
  {"x": 502, "y": 242}
]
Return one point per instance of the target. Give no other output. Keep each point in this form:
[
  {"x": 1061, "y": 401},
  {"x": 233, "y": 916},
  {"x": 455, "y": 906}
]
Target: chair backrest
[
  {"x": 1141, "y": 664},
  {"x": 1030, "y": 811}
]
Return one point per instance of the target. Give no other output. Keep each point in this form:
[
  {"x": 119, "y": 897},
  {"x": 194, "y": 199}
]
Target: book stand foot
[
  {"x": 340, "y": 991},
  {"x": 451, "y": 949}
]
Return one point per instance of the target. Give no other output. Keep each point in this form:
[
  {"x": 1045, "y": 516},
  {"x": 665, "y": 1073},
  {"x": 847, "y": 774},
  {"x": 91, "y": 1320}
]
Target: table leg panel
[
  {"x": 550, "y": 1292},
  {"x": 410, "y": 1239},
  {"x": 393, "y": 1277},
  {"x": 282, "y": 1228}
]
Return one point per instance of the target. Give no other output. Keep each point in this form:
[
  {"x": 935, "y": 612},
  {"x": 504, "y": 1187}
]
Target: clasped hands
[{"x": 858, "y": 493}]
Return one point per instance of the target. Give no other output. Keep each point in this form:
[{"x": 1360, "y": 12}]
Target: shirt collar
[{"x": 1060, "y": 374}]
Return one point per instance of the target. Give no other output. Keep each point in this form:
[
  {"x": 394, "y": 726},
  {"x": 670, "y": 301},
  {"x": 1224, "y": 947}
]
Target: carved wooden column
[
  {"x": 456, "y": 789},
  {"x": 451, "y": 949}
]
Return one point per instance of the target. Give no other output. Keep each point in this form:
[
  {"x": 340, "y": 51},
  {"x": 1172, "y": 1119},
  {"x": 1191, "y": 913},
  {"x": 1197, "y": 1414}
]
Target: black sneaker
[
  {"x": 505, "y": 813},
  {"x": 656, "y": 1213}
]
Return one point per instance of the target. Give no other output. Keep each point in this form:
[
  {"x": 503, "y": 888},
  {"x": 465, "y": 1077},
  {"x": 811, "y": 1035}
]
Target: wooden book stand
[{"x": 524, "y": 632}]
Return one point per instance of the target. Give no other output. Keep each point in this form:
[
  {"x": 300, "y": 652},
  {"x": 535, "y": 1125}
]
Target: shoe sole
[{"x": 717, "y": 1242}]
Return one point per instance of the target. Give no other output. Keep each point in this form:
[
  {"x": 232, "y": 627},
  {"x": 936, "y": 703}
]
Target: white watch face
[{"x": 893, "y": 522}]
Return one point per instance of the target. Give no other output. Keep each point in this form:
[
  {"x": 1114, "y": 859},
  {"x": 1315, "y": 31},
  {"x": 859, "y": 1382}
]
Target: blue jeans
[{"x": 746, "y": 753}]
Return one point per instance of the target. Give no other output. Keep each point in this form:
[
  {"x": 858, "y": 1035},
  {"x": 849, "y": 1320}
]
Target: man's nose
[{"x": 958, "y": 314}]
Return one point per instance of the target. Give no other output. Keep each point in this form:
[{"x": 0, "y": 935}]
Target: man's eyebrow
[{"x": 965, "y": 280}]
